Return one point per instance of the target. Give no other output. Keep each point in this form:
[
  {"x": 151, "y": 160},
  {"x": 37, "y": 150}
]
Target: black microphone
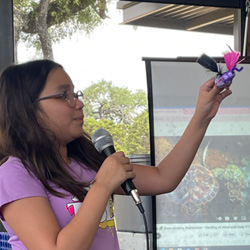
[{"x": 104, "y": 144}]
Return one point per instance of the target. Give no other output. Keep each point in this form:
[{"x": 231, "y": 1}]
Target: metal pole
[
  {"x": 246, "y": 29},
  {"x": 6, "y": 34}
]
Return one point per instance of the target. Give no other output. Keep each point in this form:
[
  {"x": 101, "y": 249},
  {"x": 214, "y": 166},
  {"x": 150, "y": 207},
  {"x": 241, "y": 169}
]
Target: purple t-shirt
[{"x": 16, "y": 183}]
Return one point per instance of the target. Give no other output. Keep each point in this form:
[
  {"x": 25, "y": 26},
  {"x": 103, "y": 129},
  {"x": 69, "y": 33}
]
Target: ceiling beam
[
  {"x": 141, "y": 10},
  {"x": 209, "y": 19},
  {"x": 179, "y": 25},
  {"x": 215, "y": 3}
]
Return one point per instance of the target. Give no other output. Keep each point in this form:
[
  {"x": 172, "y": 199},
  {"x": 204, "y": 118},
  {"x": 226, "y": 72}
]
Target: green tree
[
  {"x": 137, "y": 140},
  {"x": 42, "y": 22},
  {"x": 104, "y": 100},
  {"x": 121, "y": 112}
]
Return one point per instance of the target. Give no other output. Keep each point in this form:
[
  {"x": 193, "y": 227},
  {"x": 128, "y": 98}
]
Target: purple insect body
[
  {"x": 226, "y": 78},
  {"x": 222, "y": 80}
]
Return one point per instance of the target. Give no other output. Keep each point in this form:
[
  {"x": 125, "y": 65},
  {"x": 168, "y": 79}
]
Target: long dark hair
[{"x": 22, "y": 136}]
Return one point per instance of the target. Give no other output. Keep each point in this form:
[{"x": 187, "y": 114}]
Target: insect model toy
[{"x": 222, "y": 80}]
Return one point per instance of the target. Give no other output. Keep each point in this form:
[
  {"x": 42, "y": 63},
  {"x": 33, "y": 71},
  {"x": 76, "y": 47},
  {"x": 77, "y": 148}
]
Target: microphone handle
[
  {"x": 127, "y": 185},
  {"x": 107, "y": 151}
]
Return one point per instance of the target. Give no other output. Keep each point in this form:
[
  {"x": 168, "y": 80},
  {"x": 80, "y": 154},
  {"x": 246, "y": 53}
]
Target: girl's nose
[{"x": 79, "y": 104}]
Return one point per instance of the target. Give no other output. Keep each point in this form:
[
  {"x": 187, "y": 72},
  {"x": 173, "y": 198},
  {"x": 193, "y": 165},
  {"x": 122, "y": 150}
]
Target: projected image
[{"x": 216, "y": 187}]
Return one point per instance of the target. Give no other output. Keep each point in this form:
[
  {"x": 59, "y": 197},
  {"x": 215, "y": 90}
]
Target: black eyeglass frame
[{"x": 64, "y": 94}]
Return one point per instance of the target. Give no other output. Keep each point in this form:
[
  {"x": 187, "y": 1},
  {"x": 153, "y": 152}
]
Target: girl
[{"x": 55, "y": 187}]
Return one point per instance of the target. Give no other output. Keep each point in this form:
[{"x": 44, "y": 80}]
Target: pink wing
[{"x": 231, "y": 59}]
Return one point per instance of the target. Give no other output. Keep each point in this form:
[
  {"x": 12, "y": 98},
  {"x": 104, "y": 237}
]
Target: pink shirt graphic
[{"x": 16, "y": 183}]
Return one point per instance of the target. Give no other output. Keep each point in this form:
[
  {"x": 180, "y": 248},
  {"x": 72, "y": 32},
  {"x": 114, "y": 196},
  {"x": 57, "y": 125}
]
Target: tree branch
[
  {"x": 63, "y": 13},
  {"x": 42, "y": 29}
]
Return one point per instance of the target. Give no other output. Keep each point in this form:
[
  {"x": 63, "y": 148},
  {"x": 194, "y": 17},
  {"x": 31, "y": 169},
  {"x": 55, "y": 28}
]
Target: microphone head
[{"x": 102, "y": 139}]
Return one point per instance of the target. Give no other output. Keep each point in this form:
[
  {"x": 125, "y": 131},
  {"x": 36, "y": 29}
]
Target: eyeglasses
[{"x": 69, "y": 96}]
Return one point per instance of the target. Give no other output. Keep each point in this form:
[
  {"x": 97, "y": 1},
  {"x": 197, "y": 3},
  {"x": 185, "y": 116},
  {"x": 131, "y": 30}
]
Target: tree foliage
[
  {"x": 40, "y": 23},
  {"x": 121, "y": 112},
  {"x": 106, "y": 101}
]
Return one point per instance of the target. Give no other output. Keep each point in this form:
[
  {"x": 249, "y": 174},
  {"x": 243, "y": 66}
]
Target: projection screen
[{"x": 210, "y": 209}]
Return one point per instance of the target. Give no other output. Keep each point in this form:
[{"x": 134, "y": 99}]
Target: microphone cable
[{"x": 141, "y": 208}]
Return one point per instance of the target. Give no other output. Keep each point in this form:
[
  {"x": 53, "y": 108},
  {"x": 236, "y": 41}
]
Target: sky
[{"x": 114, "y": 51}]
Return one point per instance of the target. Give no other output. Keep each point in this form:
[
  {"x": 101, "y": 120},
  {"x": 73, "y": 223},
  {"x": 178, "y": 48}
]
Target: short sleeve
[{"x": 16, "y": 183}]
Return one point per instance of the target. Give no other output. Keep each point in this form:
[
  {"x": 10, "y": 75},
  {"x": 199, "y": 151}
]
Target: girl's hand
[
  {"x": 209, "y": 100},
  {"x": 114, "y": 171}
]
